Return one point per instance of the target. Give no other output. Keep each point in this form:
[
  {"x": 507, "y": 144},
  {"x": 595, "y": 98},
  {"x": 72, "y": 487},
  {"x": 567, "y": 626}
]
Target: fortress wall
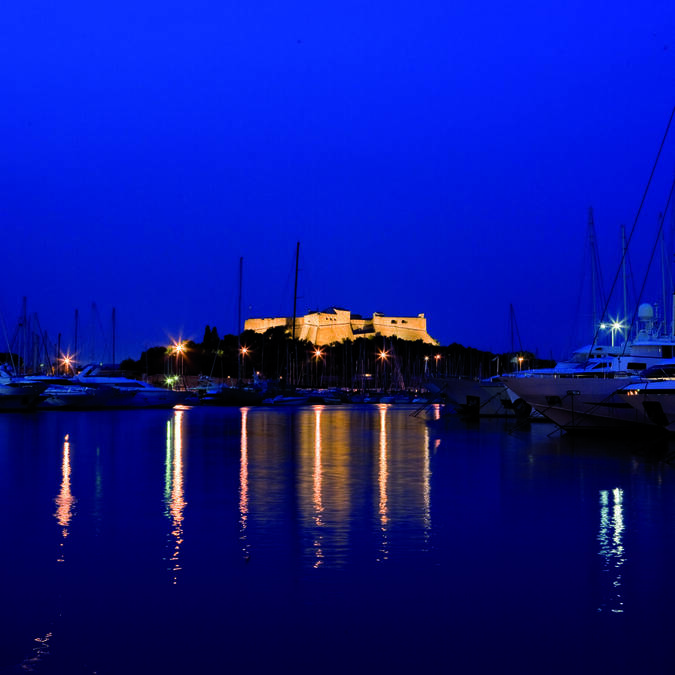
[
  {"x": 323, "y": 328},
  {"x": 261, "y": 325}
]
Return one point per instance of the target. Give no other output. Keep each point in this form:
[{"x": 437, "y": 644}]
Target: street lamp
[
  {"x": 243, "y": 352},
  {"x": 318, "y": 354},
  {"x": 179, "y": 349},
  {"x": 382, "y": 357}
]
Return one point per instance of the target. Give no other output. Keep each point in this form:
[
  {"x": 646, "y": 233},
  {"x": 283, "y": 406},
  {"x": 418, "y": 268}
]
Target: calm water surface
[{"x": 330, "y": 539}]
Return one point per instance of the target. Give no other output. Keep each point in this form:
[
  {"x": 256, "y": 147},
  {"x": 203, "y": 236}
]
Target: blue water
[{"x": 330, "y": 539}]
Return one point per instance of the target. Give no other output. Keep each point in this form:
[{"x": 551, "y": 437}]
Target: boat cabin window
[
  {"x": 667, "y": 351},
  {"x": 636, "y": 366}
]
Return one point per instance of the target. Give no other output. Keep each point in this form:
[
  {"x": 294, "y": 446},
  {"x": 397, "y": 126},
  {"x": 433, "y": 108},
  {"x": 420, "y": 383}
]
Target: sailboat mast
[
  {"x": 294, "y": 377},
  {"x": 77, "y": 321},
  {"x": 664, "y": 270},
  {"x": 623, "y": 271},
  {"x": 239, "y": 355},
  {"x": 594, "y": 281},
  {"x": 295, "y": 288},
  {"x": 113, "y": 336}
]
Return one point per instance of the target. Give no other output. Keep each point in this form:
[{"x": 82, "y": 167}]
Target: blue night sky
[{"x": 435, "y": 157}]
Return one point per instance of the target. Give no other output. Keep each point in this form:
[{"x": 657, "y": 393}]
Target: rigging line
[
  {"x": 632, "y": 231},
  {"x": 651, "y": 257}
]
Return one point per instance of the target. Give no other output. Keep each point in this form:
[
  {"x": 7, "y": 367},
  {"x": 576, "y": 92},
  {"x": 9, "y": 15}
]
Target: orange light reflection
[
  {"x": 382, "y": 481},
  {"x": 317, "y": 485},
  {"x": 174, "y": 486},
  {"x": 65, "y": 501},
  {"x": 243, "y": 483}
]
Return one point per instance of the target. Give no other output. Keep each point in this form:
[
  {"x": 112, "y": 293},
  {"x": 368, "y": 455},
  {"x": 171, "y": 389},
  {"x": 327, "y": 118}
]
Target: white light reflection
[
  {"x": 382, "y": 482},
  {"x": 65, "y": 501},
  {"x": 243, "y": 484},
  {"x": 317, "y": 486},
  {"x": 173, "y": 486},
  {"x": 612, "y": 550}
]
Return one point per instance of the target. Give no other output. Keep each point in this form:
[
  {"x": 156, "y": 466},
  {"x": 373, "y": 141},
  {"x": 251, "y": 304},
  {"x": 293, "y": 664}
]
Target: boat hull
[
  {"x": 581, "y": 403},
  {"x": 656, "y": 400},
  {"x": 478, "y": 398},
  {"x": 21, "y": 396}
]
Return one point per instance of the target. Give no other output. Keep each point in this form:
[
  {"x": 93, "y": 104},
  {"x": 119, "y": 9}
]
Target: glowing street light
[
  {"x": 67, "y": 362},
  {"x": 615, "y": 326},
  {"x": 318, "y": 355},
  {"x": 243, "y": 351},
  {"x": 179, "y": 350}
]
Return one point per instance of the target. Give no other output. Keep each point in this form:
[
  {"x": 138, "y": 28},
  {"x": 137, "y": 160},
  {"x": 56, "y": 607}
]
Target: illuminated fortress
[{"x": 336, "y": 325}]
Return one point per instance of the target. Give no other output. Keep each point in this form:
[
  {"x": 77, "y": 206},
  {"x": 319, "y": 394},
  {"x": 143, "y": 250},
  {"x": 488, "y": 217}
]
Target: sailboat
[{"x": 209, "y": 393}]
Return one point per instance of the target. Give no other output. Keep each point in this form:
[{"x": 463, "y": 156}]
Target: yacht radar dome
[{"x": 645, "y": 312}]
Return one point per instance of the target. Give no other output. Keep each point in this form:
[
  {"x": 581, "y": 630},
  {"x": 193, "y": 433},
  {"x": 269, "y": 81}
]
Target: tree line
[{"x": 375, "y": 362}]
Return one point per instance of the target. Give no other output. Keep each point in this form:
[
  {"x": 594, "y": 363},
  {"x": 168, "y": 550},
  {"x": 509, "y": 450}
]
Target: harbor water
[{"x": 320, "y": 539}]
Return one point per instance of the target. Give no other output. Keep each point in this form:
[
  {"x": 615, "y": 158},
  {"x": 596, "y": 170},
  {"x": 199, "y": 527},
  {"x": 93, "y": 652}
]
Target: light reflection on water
[
  {"x": 612, "y": 548},
  {"x": 65, "y": 500},
  {"x": 243, "y": 483},
  {"x": 382, "y": 481},
  {"x": 326, "y": 531},
  {"x": 173, "y": 492},
  {"x": 317, "y": 487}
]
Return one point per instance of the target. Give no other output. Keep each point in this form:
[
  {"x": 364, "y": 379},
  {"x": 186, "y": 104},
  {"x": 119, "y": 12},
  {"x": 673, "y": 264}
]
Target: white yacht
[
  {"x": 488, "y": 397},
  {"x": 591, "y": 398},
  {"x": 62, "y": 393},
  {"x": 492, "y": 397},
  {"x": 144, "y": 394},
  {"x": 17, "y": 393}
]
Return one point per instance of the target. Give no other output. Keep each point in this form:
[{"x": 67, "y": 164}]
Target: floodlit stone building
[{"x": 336, "y": 325}]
